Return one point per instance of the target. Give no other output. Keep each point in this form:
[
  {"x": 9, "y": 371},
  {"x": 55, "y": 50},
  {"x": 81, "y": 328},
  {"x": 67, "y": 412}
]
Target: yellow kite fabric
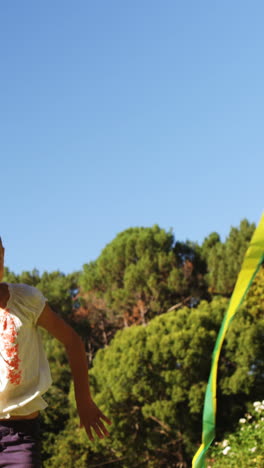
[{"x": 251, "y": 264}]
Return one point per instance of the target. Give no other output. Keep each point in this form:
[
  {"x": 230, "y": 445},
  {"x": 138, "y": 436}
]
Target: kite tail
[{"x": 253, "y": 259}]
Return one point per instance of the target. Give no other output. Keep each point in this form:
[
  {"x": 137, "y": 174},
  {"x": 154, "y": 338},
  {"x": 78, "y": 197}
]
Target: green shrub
[{"x": 245, "y": 447}]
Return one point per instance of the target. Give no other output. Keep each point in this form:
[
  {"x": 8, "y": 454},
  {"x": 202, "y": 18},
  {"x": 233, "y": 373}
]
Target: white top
[{"x": 24, "y": 369}]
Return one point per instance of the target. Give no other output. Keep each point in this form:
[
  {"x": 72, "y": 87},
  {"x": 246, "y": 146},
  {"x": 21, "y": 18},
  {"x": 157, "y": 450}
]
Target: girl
[{"x": 25, "y": 374}]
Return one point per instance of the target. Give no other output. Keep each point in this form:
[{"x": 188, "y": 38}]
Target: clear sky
[{"x": 118, "y": 113}]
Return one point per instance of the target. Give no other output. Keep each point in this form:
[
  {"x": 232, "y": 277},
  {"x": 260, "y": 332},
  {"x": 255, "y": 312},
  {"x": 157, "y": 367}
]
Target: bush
[{"x": 244, "y": 447}]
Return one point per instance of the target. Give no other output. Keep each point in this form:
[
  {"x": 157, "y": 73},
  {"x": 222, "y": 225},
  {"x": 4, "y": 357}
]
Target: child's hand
[{"x": 92, "y": 418}]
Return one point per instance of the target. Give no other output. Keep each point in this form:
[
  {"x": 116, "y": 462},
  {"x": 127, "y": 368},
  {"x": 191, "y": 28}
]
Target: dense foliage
[
  {"x": 244, "y": 447},
  {"x": 149, "y": 310},
  {"x": 142, "y": 273}
]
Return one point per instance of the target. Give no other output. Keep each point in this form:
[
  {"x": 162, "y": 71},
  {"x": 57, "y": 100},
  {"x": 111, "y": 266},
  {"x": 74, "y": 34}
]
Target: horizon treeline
[{"x": 148, "y": 310}]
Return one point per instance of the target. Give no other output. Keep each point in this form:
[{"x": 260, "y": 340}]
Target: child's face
[{"x": 2, "y": 254}]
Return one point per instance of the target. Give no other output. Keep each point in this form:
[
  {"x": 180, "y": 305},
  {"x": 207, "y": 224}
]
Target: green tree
[
  {"x": 56, "y": 415},
  {"x": 60, "y": 290},
  {"x": 142, "y": 273},
  {"x": 224, "y": 260},
  {"x": 9, "y": 276},
  {"x": 151, "y": 380},
  {"x": 255, "y": 297}
]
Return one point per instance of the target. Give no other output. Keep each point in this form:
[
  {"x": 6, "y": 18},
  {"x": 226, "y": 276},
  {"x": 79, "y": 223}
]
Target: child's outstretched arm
[{"x": 90, "y": 415}]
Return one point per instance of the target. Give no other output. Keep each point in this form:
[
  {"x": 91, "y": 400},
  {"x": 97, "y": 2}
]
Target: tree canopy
[
  {"x": 224, "y": 259},
  {"x": 144, "y": 272}
]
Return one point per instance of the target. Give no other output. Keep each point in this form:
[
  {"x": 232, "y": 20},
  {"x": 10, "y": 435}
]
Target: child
[{"x": 25, "y": 374}]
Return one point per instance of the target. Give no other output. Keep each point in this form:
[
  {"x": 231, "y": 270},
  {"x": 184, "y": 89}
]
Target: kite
[{"x": 253, "y": 259}]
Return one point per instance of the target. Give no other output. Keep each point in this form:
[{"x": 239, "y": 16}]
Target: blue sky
[{"x": 116, "y": 114}]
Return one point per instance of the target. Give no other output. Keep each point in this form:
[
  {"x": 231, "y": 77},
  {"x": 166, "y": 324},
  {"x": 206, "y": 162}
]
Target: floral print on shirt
[{"x": 9, "y": 347}]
